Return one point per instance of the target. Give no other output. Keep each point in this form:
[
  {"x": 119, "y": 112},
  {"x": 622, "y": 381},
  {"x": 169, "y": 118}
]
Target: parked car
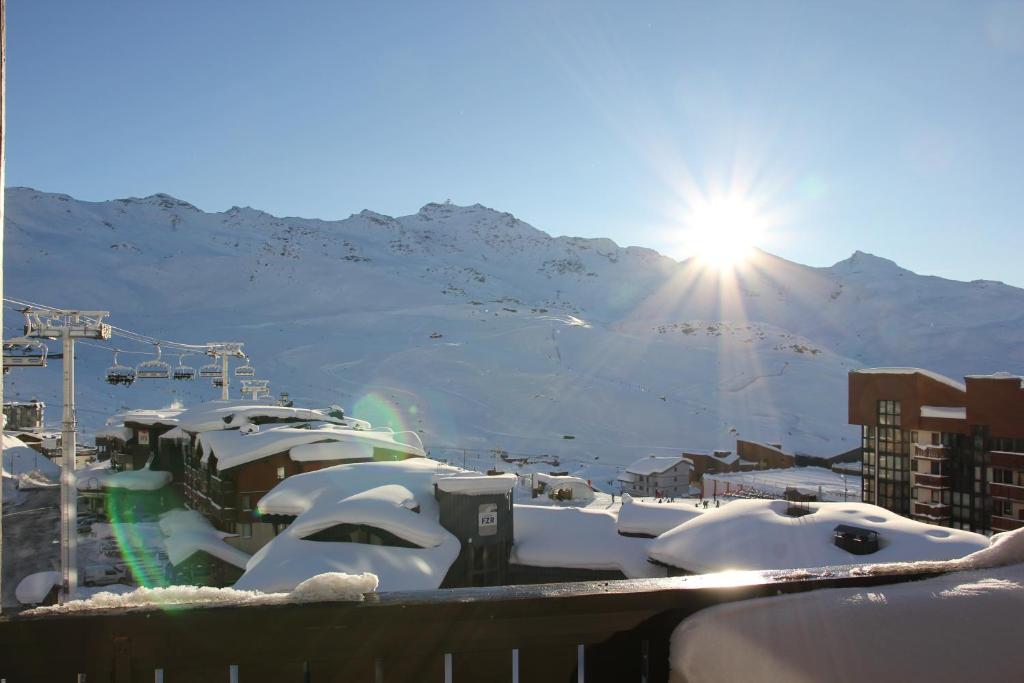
[{"x": 104, "y": 575}]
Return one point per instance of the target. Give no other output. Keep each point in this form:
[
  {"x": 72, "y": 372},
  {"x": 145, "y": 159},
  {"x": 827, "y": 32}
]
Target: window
[
  {"x": 935, "y": 439},
  {"x": 246, "y": 502},
  {"x": 245, "y": 530},
  {"x": 913, "y": 437},
  {"x": 281, "y": 473}
]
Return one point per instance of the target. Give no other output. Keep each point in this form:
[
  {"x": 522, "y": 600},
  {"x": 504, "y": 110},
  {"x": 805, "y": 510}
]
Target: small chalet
[{"x": 657, "y": 475}]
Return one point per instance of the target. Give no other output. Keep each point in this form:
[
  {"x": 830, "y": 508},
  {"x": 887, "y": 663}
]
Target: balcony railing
[
  {"x": 1006, "y": 491},
  {"x": 932, "y": 511},
  {"x": 933, "y": 481},
  {"x": 1000, "y": 523},
  {"x": 591, "y": 632},
  {"x": 931, "y": 452}
]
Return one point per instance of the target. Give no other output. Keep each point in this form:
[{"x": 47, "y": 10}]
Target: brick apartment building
[{"x": 941, "y": 451}]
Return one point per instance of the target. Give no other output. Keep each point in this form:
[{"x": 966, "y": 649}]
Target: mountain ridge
[{"x": 538, "y": 337}]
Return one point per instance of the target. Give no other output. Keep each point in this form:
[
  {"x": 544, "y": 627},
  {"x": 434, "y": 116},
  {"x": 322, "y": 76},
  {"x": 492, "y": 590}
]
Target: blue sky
[{"x": 894, "y": 128}]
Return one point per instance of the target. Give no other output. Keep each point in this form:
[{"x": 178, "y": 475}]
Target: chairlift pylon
[
  {"x": 153, "y": 369},
  {"x": 120, "y": 374},
  {"x": 182, "y": 371}
]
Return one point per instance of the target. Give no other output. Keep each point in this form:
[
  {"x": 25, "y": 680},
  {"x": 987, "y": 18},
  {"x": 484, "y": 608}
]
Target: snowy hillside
[{"x": 484, "y": 332}]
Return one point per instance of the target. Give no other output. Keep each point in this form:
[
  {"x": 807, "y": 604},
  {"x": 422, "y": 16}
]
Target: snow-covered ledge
[{"x": 889, "y": 632}]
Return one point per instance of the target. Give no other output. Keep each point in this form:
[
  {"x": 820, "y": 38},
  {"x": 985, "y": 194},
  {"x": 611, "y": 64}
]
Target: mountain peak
[{"x": 863, "y": 262}]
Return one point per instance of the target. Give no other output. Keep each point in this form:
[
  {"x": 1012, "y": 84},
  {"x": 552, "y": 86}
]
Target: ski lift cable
[{"x": 120, "y": 331}]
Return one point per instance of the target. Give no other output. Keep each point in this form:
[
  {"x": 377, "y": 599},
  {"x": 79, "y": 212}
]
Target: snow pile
[
  {"x": 759, "y": 534},
  {"x": 321, "y": 588},
  {"x": 379, "y": 495},
  {"x": 944, "y": 413},
  {"x": 898, "y": 632},
  {"x": 187, "y": 532},
  {"x": 653, "y": 519},
  {"x": 34, "y": 588},
  {"x": 26, "y": 467},
  {"x": 100, "y": 476},
  {"x": 579, "y": 538}
]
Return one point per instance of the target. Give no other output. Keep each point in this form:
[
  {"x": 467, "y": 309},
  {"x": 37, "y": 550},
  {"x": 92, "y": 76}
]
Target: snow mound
[
  {"x": 1006, "y": 548},
  {"x": 653, "y": 519},
  {"x": 34, "y": 588},
  {"x": 334, "y": 586},
  {"x": 187, "y": 532},
  {"x": 579, "y": 538},
  {"x": 324, "y": 587},
  {"x": 759, "y": 534},
  {"x": 830, "y": 635}
]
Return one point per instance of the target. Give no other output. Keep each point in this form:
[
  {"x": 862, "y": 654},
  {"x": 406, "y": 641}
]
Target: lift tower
[{"x": 67, "y": 325}]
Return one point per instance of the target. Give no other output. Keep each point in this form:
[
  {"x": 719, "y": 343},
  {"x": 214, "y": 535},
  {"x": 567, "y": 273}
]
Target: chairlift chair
[
  {"x": 210, "y": 370},
  {"x": 218, "y": 381},
  {"x": 120, "y": 374},
  {"x": 153, "y": 369},
  {"x": 24, "y": 353},
  {"x": 184, "y": 372},
  {"x": 246, "y": 370}
]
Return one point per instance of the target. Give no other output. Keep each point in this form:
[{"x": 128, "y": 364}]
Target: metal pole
[
  {"x": 224, "y": 377},
  {"x": 68, "y": 492},
  {"x": 3, "y": 136}
]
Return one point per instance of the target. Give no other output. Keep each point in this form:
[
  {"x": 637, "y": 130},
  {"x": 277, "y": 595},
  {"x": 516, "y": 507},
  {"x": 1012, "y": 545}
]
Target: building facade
[
  {"x": 655, "y": 475},
  {"x": 941, "y": 451}
]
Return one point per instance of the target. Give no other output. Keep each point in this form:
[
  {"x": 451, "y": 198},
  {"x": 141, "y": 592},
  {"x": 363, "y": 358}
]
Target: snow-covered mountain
[{"x": 484, "y": 332}]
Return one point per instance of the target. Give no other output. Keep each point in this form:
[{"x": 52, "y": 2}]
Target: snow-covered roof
[
  {"x": 234, "y": 447},
  {"x": 996, "y": 375},
  {"x": 578, "y": 538},
  {"x": 833, "y": 634},
  {"x": 581, "y": 490},
  {"x": 377, "y": 494},
  {"x": 762, "y": 536},
  {"x": 216, "y": 415},
  {"x": 188, "y": 532},
  {"x": 121, "y": 433},
  {"x": 474, "y": 483},
  {"x": 653, "y": 464},
  {"x": 944, "y": 412},
  {"x": 176, "y": 434},
  {"x": 100, "y": 476},
  {"x": 145, "y": 416},
  {"x": 27, "y": 466},
  {"x": 912, "y": 371},
  {"x": 653, "y": 519}
]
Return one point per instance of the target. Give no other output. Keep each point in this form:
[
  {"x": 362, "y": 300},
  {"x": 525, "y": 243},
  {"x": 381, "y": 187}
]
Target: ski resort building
[
  {"x": 657, "y": 475},
  {"x": 228, "y": 471},
  {"x": 942, "y": 451},
  {"x": 24, "y": 416}
]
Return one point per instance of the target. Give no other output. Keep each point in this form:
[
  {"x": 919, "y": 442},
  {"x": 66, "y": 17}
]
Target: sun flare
[{"x": 723, "y": 233}]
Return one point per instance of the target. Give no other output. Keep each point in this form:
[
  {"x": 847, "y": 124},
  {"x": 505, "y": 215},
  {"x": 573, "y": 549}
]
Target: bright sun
[{"x": 723, "y": 233}]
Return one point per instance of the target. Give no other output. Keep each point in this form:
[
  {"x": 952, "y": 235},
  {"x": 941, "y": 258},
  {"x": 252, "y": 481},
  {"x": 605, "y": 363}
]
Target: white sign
[
  {"x": 143, "y": 437},
  {"x": 488, "y": 519}
]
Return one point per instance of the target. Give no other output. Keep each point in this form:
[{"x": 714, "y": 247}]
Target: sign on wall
[
  {"x": 143, "y": 437},
  {"x": 487, "y": 524}
]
